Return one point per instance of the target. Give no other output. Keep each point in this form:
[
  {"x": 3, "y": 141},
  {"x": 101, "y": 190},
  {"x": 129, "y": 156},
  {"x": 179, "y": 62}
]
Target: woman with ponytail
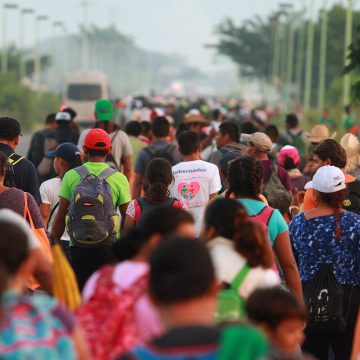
[
  {"x": 245, "y": 182},
  {"x": 158, "y": 177},
  {"x": 328, "y": 236},
  {"x": 133, "y": 252},
  {"x": 234, "y": 241}
]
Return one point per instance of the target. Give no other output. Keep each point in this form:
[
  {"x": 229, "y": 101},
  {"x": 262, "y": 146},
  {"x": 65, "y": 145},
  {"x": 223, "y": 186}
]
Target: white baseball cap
[
  {"x": 328, "y": 179},
  {"x": 63, "y": 116}
]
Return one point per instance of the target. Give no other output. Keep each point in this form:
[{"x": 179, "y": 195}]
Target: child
[
  {"x": 282, "y": 317},
  {"x": 183, "y": 286},
  {"x": 66, "y": 157}
]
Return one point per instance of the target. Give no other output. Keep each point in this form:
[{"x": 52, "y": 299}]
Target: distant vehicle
[{"x": 81, "y": 91}]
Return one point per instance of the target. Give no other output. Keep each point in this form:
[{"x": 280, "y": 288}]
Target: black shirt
[{"x": 25, "y": 174}]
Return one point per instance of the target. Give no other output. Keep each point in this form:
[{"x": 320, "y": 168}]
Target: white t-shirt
[
  {"x": 121, "y": 146},
  {"x": 13, "y": 217},
  {"x": 194, "y": 182},
  {"x": 228, "y": 262},
  {"x": 49, "y": 191}
]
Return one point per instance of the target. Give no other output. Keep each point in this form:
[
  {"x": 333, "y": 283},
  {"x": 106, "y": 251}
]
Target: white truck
[{"x": 81, "y": 91}]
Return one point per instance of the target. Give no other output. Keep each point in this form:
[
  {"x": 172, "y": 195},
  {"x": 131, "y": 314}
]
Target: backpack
[
  {"x": 30, "y": 329},
  {"x": 92, "y": 220},
  {"x": 107, "y": 319},
  {"x": 12, "y": 160},
  {"x": 146, "y": 206},
  {"x": 231, "y": 306},
  {"x": 110, "y": 160},
  {"x": 274, "y": 190},
  {"x": 324, "y": 297},
  {"x": 163, "y": 153},
  {"x": 298, "y": 142}
]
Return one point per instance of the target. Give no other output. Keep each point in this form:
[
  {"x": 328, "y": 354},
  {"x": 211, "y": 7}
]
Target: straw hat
[
  {"x": 320, "y": 133},
  {"x": 351, "y": 145},
  {"x": 195, "y": 116}
]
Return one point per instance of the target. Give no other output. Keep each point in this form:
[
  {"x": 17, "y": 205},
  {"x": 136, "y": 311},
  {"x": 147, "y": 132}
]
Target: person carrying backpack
[
  {"x": 245, "y": 180},
  {"x": 117, "y": 313},
  {"x": 158, "y": 177},
  {"x": 326, "y": 244},
  {"x": 159, "y": 148},
  {"x": 295, "y": 136},
  {"x": 89, "y": 198},
  {"x": 241, "y": 255}
]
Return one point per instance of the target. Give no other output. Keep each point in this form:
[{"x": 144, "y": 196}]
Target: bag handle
[
  {"x": 27, "y": 214},
  {"x": 239, "y": 278}
]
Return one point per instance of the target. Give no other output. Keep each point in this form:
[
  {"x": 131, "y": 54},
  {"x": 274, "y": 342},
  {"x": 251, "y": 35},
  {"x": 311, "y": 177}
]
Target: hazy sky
[{"x": 181, "y": 26}]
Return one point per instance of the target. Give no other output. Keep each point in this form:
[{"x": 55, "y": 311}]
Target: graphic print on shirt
[{"x": 188, "y": 191}]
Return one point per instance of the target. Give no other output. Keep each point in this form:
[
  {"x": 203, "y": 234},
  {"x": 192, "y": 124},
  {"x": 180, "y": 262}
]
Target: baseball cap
[
  {"x": 104, "y": 110},
  {"x": 328, "y": 179},
  {"x": 97, "y": 139},
  {"x": 63, "y": 116},
  {"x": 67, "y": 151},
  {"x": 9, "y": 128},
  {"x": 260, "y": 140},
  {"x": 290, "y": 152}
]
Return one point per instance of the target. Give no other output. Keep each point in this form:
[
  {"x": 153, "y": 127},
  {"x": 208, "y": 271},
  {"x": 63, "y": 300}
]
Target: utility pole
[
  {"x": 348, "y": 40},
  {"x": 300, "y": 55},
  {"x": 4, "y": 55},
  {"x": 309, "y": 61},
  {"x": 37, "y": 62},
  {"x": 290, "y": 58},
  {"x": 22, "y": 70},
  {"x": 322, "y": 59},
  {"x": 85, "y": 39}
]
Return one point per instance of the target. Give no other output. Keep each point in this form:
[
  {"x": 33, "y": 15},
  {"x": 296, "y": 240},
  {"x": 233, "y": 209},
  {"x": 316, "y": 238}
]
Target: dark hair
[
  {"x": 158, "y": 176},
  {"x": 75, "y": 163},
  {"x": 6, "y": 171},
  {"x": 133, "y": 128},
  {"x": 272, "y": 131},
  {"x": 215, "y": 114},
  {"x": 181, "y": 128},
  {"x": 230, "y": 220},
  {"x": 163, "y": 220},
  {"x": 14, "y": 250},
  {"x": 93, "y": 152},
  {"x": 332, "y": 150},
  {"x": 289, "y": 163},
  {"x": 271, "y": 306},
  {"x": 108, "y": 126},
  {"x": 245, "y": 177},
  {"x": 248, "y": 128},
  {"x": 231, "y": 129},
  {"x": 292, "y": 120},
  {"x": 160, "y": 127},
  {"x": 335, "y": 200},
  {"x": 189, "y": 142},
  {"x": 180, "y": 270},
  {"x": 50, "y": 119},
  {"x": 145, "y": 127},
  {"x": 3, "y": 163}
]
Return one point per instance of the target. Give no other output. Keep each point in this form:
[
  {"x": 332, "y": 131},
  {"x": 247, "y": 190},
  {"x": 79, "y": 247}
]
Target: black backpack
[
  {"x": 163, "y": 153},
  {"x": 324, "y": 297}
]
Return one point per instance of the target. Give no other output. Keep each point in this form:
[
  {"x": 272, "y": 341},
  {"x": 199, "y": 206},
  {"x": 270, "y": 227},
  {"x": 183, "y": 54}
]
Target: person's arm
[
  {"x": 42, "y": 270},
  {"x": 80, "y": 344},
  {"x": 126, "y": 166},
  {"x": 212, "y": 196},
  {"x": 123, "y": 209},
  {"x": 136, "y": 188},
  {"x": 59, "y": 223},
  {"x": 285, "y": 256},
  {"x": 32, "y": 183},
  {"x": 45, "y": 211}
]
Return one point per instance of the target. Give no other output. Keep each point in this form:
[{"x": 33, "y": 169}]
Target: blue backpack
[{"x": 92, "y": 220}]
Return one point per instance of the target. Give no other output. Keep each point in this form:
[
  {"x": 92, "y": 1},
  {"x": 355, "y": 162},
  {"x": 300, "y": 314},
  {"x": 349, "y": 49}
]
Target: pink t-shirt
[{"x": 127, "y": 273}]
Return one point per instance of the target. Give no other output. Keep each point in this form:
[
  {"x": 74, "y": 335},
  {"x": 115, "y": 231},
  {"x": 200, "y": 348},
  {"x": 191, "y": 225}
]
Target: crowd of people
[{"x": 195, "y": 230}]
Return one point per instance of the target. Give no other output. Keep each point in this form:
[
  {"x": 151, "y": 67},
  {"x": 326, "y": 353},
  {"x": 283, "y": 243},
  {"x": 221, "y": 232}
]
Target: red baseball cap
[{"x": 97, "y": 139}]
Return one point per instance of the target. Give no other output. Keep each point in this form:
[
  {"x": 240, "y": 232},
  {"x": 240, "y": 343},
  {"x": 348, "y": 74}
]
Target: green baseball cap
[{"x": 104, "y": 110}]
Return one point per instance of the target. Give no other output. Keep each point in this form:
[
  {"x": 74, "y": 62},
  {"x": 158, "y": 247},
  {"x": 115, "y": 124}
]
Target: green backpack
[{"x": 231, "y": 307}]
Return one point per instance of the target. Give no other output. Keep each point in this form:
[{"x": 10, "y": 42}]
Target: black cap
[
  {"x": 9, "y": 128},
  {"x": 70, "y": 111},
  {"x": 66, "y": 151}
]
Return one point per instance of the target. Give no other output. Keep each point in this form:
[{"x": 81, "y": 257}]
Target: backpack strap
[
  {"x": 150, "y": 151},
  {"x": 82, "y": 171},
  {"x": 265, "y": 214},
  {"x": 106, "y": 173},
  {"x": 239, "y": 278},
  {"x": 14, "y": 159},
  {"x": 52, "y": 214}
]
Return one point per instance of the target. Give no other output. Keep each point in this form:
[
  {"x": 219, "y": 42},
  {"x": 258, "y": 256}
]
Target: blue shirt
[{"x": 315, "y": 245}]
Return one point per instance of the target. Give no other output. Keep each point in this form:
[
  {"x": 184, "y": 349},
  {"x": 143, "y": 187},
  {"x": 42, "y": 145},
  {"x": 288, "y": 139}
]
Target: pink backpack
[{"x": 108, "y": 317}]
